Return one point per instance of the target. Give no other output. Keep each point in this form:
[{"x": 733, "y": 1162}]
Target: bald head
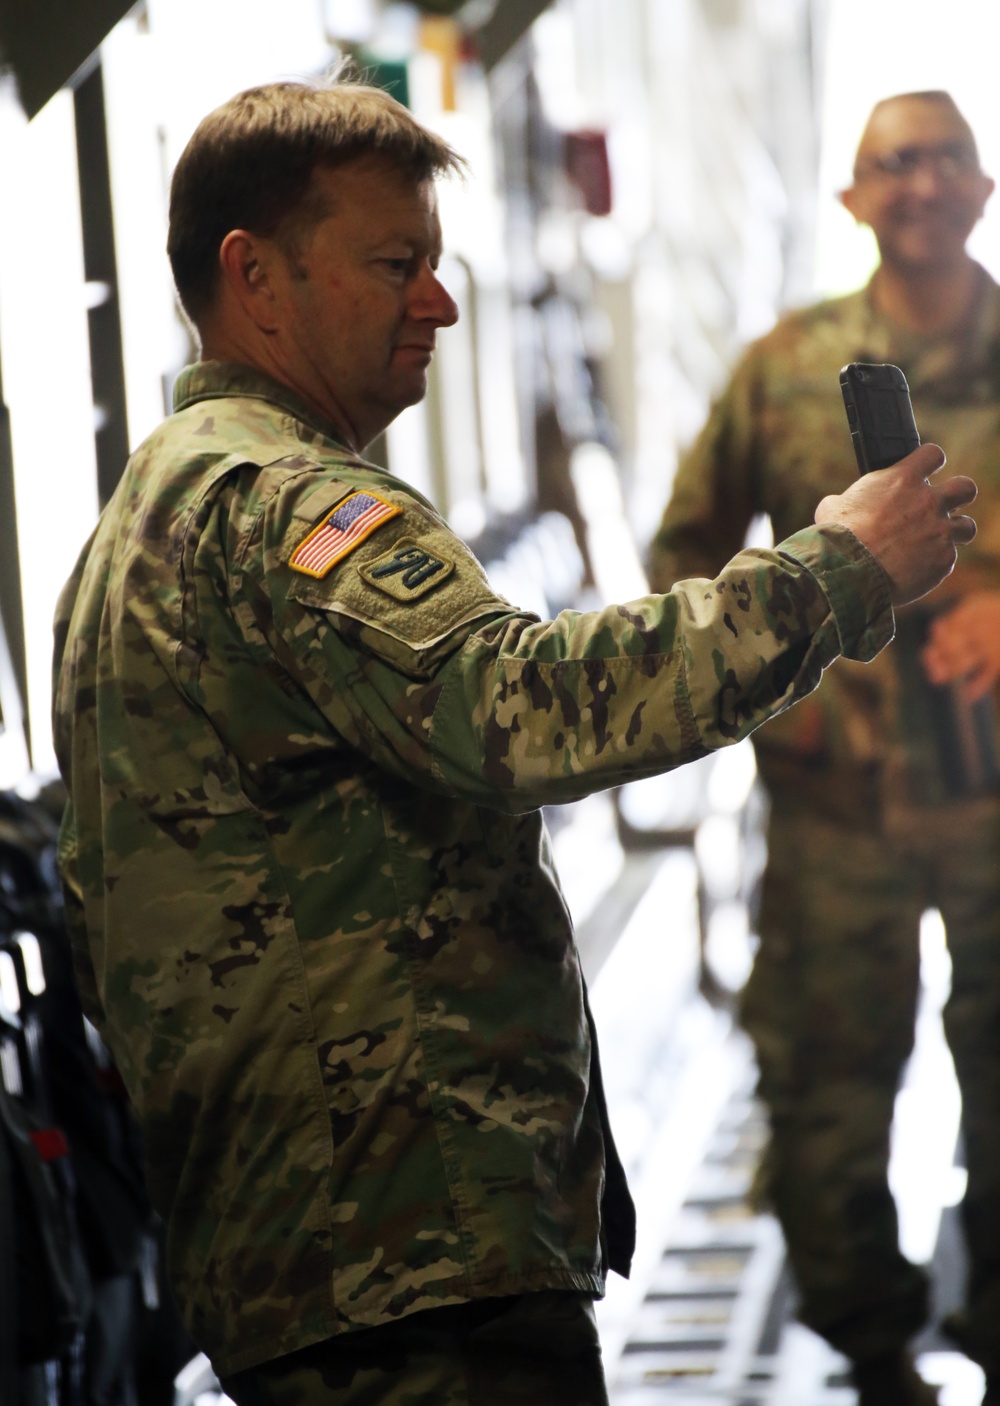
[
  {"x": 906, "y": 115},
  {"x": 917, "y": 183}
]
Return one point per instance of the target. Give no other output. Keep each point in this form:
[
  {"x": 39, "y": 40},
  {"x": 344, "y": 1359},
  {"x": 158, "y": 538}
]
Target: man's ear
[
  {"x": 247, "y": 268},
  {"x": 851, "y": 202},
  {"x": 987, "y": 187}
]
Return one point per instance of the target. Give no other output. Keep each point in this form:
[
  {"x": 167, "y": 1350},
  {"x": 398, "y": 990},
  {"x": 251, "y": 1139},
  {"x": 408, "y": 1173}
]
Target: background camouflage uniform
[
  {"x": 311, "y": 894},
  {"x": 863, "y": 834}
]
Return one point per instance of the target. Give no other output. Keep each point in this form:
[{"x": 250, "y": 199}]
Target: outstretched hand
[{"x": 910, "y": 525}]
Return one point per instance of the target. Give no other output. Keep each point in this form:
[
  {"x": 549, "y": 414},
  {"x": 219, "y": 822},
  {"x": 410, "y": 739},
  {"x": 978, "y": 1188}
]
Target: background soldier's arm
[{"x": 714, "y": 494}]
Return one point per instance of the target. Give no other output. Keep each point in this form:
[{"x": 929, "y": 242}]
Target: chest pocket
[
  {"x": 807, "y": 451},
  {"x": 410, "y": 595}
]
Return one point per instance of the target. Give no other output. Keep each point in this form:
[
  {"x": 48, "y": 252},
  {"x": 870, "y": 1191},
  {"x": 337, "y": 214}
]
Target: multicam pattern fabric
[
  {"x": 311, "y": 894},
  {"x": 529, "y": 1350},
  {"x": 831, "y": 1006},
  {"x": 863, "y": 834}
]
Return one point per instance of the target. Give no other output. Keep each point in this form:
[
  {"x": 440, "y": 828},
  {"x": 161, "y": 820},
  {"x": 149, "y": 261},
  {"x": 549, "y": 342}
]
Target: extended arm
[
  {"x": 449, "y": 687},
  {"x": 455, "y": 690}
]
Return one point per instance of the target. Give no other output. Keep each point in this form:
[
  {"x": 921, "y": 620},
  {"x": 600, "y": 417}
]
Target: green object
[
  {"x": 391, "y": 75},
  {"x": 311, "y": 895}
]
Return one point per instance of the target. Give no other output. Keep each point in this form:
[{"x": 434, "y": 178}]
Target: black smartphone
[{"x": 879, "y": 413}]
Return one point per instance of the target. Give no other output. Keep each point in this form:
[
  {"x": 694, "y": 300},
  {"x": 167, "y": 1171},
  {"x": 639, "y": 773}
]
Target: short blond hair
[{"x": 249, "y": 165}]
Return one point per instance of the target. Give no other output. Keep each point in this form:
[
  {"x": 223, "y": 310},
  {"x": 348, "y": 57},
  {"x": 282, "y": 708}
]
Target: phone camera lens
[{"x": 862, "y": 375}]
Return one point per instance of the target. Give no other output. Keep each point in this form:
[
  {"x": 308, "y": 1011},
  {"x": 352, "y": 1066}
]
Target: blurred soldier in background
[
  {"x": 883, "y": 785},
  {"x": 306, "y": 745}
]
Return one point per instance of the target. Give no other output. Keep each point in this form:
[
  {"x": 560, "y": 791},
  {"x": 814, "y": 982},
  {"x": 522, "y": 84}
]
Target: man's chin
[
  {"x": 925, "y": 253},
  {"x": 413, "y": 389},
  {"x": 406, "y": 393}
]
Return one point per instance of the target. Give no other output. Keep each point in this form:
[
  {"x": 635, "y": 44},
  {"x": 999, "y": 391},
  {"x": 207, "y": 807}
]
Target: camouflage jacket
[
  {"x": 311, "y": 895},
  {"x": 776, "y": 442}
]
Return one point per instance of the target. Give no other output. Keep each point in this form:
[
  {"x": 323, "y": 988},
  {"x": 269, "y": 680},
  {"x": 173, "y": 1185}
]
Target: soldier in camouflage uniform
[
  {"x": 306, "y": 745},
  {"x": 866, "y": 828}
]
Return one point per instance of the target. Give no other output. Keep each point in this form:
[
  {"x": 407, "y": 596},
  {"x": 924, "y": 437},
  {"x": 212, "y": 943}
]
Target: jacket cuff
[{"x": 854, "y": 583}]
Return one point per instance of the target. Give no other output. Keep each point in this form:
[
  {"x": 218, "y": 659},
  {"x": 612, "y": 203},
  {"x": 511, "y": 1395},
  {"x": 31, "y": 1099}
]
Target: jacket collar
[
  {"x": 214, "y": 380},
  {"x": 963, "y": 365}
]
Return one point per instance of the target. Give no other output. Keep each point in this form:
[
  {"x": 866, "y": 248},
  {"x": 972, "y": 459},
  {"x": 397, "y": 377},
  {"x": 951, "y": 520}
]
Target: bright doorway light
[{"x": 46, "y": 375}]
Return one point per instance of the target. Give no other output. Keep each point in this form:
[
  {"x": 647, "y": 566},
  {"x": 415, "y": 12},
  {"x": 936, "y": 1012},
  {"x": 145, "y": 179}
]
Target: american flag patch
[{"x": 340, "y": 532}]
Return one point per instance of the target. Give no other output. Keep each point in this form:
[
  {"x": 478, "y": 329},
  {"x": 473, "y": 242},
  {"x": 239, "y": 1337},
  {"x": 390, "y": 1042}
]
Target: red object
[
  {"x": 109, "y": 1081},
  {"x": 350, "y": 523},
  {"x": 50, "y": 1143},
  {"x": 589, "y": 168},
  {"x": 468, "y": 49}
]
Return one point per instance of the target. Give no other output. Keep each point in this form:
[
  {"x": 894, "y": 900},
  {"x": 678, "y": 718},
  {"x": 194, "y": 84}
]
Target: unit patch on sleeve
[
  {"x": 407, "y": 571},
  {"x": 351, "y": 521}
]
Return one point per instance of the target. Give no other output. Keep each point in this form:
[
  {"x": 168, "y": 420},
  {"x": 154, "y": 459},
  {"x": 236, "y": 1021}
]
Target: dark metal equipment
[{"x": 48, "y": 42}]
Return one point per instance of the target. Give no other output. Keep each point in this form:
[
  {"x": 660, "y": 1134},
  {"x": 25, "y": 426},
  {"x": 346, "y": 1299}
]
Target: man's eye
[{"x": 400, "y": 266}]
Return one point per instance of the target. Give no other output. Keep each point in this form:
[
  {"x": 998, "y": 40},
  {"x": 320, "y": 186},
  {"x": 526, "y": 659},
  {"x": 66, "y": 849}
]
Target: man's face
[
  {"x": 361, "y": 302},
  {"x": 918, "y": 184}
]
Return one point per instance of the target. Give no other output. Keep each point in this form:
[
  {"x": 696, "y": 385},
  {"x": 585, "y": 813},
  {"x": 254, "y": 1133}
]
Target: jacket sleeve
[
  {"x": 453, "y": 689},
  {"x": 715, "y": 493}
]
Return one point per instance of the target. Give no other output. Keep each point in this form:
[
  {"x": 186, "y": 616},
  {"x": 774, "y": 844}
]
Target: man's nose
[
  {"x": 927, "y": 181},
  {"x": 432, "y": 301}
]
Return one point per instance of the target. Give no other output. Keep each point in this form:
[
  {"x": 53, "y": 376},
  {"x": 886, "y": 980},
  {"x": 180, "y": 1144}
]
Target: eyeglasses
[{"x": 951, "y": 162}]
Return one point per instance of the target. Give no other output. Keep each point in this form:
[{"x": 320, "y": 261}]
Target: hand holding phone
[
  {"x": 877, "y": 400},
  {"x": 909, "y": 523}
]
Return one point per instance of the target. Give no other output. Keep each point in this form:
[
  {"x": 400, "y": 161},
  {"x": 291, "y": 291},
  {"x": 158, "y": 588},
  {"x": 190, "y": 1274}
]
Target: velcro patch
[
  {"x": 345, "y": 528},
  {"x": 407, "y": 571}
]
